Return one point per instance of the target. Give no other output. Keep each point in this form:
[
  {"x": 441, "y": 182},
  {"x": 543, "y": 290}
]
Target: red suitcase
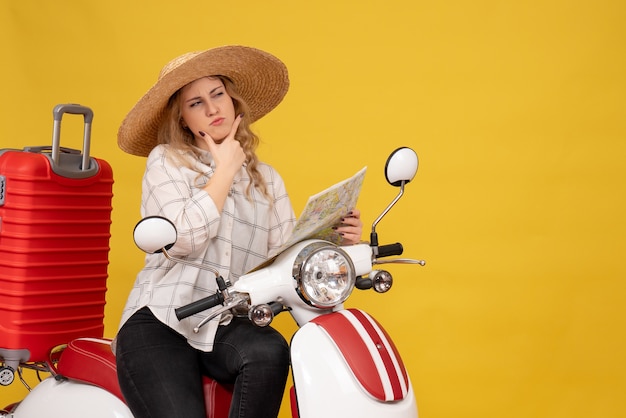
[{"x": 55, "y": 219}]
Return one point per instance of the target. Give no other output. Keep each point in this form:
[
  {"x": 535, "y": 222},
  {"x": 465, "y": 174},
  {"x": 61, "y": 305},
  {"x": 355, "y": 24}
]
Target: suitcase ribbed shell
[{"x": 54, "y": 246}]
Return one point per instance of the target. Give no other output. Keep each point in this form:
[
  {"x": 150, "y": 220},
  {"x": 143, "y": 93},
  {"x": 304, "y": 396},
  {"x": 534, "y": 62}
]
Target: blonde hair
[{"x": 181, "y": 139}]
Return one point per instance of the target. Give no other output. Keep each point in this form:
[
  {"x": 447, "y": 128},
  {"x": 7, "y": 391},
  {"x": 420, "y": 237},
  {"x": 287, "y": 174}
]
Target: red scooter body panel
[{"x": 369, "y": 352}]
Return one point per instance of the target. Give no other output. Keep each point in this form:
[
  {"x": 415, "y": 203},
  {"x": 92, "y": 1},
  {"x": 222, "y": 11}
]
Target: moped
[{"x": 343, "y": 362}]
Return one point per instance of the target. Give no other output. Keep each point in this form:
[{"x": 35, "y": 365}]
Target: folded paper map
[{"x": 325, "y": 209}]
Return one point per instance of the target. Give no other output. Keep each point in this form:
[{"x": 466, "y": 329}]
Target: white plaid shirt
[{"x": 240, "y": 239}]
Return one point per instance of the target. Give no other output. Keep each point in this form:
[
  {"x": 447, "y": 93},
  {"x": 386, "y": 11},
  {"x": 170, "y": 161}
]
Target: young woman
[{"x": 230, "y": 210}]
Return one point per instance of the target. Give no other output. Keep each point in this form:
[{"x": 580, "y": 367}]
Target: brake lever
[
  {"x": 399, "y": 261},
  {"x": 236, "y": 300}
]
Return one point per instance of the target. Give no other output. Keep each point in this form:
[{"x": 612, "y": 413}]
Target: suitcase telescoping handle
[{"x": 74, "y": 109}]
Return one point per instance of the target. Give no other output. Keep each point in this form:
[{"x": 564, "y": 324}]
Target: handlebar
[
  {"x": 390, "y": 249},
  {"x": 218, "y": 298},
  {"x": 204, "y": 303},
  {"x": 199, "y": 306}
]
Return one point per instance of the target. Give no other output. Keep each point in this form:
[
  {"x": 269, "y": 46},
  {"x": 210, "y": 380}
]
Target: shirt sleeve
[
  {"x": 176, "y": 193},
  {"x": 283, "y": 218}
]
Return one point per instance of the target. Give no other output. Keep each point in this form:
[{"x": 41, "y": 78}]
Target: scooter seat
[{"x": 92, "y": 361}]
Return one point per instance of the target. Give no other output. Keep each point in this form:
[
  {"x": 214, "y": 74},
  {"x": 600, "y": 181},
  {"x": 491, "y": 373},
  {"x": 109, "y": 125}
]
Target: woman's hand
[
  {"x": 229, "y": 157},
  {"x": 227, "y": 153},
  {"x": 350, "y": 228}
]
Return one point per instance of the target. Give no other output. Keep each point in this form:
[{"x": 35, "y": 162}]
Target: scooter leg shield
[{"x": 326, "y": 385}]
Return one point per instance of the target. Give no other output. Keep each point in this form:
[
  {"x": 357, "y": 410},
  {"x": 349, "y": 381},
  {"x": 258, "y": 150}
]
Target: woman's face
[{"x": 207, "y": 107}]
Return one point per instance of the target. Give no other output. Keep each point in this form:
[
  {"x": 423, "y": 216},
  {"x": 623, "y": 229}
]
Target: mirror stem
[
  {"x": 189, "y": 263},
  {"x": 374, "y": 235},
  {"x": 388, "y": 207}
]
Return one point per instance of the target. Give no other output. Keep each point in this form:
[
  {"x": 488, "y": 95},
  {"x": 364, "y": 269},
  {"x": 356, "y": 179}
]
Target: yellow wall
[{"x": 517, "y": 112}]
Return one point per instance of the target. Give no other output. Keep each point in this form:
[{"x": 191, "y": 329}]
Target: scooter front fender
[
  {"x": 326, "y": 379},
  {"x": 70, "y": 399}
]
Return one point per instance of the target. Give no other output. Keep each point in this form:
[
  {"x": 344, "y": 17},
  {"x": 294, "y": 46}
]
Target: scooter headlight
[{"x": 324, "y": 275}]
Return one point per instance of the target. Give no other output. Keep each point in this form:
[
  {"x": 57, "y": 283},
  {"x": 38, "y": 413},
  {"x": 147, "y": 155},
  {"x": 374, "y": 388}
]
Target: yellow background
[{"x": 515, "y": 108}]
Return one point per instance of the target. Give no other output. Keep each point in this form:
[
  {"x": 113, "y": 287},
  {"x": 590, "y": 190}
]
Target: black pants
[{"x": 160, "y": 374}]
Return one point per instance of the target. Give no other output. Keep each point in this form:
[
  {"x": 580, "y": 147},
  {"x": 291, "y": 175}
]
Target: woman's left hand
[{"x": 350, "y": 228}]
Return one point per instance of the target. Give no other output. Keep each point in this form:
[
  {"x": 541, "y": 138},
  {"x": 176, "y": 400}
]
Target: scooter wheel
[{"x": 7, "y": 374}]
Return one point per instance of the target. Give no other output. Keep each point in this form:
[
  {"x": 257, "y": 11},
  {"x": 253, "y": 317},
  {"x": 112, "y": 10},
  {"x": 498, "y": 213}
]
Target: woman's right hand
[
  {"x": 228, "y": 156},
  {"x": 228, "y": 153}
]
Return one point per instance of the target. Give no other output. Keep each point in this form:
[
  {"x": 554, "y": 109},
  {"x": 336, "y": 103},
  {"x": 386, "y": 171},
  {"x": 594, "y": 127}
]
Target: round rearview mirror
[
  {"x": 401, "y": 166},
  {"x": 154, "y": 233}
]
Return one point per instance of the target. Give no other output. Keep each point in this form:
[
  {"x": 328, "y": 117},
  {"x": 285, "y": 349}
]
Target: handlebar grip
[
  {"x": 390, "y": 249},
  {"x": 199, "y": 306}
]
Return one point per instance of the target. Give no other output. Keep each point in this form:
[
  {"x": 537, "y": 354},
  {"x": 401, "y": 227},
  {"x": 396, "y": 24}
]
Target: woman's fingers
[{"x": 351, "y": 228}]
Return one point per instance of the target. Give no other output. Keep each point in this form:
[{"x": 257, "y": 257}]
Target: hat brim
[{"x": 260, "y": 78}]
